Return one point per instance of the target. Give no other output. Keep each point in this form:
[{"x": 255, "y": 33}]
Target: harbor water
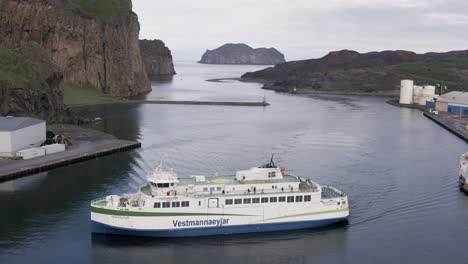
[{"x": 398, "y": 168}]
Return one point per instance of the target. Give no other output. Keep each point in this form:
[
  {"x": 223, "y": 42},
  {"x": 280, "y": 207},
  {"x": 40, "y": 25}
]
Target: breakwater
[{"x": 172, "y": 102}]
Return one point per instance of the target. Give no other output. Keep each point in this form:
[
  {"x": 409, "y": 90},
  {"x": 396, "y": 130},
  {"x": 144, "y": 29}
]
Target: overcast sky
[{"x": 303, "y": 29}]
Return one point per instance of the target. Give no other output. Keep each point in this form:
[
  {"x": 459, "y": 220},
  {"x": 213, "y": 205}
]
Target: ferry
[
  {"x": 463, "y": 174},
  {"x": 260, "y": 199}
]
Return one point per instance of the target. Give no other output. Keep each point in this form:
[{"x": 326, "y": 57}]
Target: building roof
[
  {"x": 454, "y": 98},
  {"x": 15, "y": 123}
]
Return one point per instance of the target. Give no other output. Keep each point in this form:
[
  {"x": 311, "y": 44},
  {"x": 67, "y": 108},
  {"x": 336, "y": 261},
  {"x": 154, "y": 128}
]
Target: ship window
[
  {"x": 199, "y": 203},
  {"x": 228, "y": 201},
  {"x": 205, "y": 189},
  {"x": 298, "y": 198},
  {"x": 273, "y": 199},
  {"x": 157, "y": 205},
  {"x": 290, "y": 199},
  {"x": 344, "y": 202},
  {"x": 172, "y": 184},
  {"x": 307, "y": 198},
  {"x": 218, "y": 188},
  {"x": 256, "y": 200},
  {"x": 166, "y": 204},
  {"x": 237, "y": 201},
  {"x": 282, "y": 199},
  {"x": 175, "y": 204},
  {"x": 338, "y": 203},
  {"x": 185, "y": 204},
  {"x": 264, "y": 199},
  {"x": 212, "y": 189},
  {"x": 246, "y": 200},
  {"x": 163, "y": 185}
]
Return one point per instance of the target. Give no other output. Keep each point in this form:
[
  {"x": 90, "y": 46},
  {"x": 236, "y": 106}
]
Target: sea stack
[
  {"x": 156, "y": 57},
  {"x": 242, "y": 54}
]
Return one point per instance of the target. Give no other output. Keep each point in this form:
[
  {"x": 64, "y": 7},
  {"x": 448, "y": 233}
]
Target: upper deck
[
  {"x": 228, "y": 185},
  {"x": 231, "y": 180}
]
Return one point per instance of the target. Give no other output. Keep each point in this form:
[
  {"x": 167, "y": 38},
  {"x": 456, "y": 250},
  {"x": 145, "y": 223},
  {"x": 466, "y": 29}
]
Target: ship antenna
[
  {"x": 161, "y": 162},
  {"x": 272, "y": 163}
]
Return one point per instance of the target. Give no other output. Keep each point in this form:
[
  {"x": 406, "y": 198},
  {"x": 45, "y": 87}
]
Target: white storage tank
[
  {"x": 406, "y": 92},
  {"x": 417, "y": 93},
  {"x": 422, "y": 100},
  {"x": 429, "y": 90},
  {"x": 417, "y": 90}
]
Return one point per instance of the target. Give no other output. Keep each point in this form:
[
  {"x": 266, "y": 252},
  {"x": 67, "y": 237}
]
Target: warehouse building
[
  {"x": 18, "y": 133},
  {"x": 453, "y": 102}
]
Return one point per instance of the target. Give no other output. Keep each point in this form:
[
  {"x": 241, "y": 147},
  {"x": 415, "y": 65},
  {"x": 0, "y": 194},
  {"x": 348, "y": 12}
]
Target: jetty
[
  {"x": 178, "y": 102},
  {"x": 87, "y": 144}
]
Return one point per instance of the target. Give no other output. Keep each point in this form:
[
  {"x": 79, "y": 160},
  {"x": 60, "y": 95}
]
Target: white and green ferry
[{"x": 260, "y": 199}]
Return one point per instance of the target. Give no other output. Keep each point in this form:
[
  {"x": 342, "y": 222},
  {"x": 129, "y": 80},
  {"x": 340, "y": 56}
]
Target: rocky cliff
[
  {"x": 92, "y": 42},
  {"x": 242, "y": 54},
  {"x": 157, "y": 58},
  {"x": 373, "y": 72},
  {"x": 30, "y": 85}
]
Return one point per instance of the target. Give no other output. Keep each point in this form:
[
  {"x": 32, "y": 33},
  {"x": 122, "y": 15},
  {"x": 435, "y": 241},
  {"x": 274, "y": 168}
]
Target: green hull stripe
[
  {"x": 133, "y": 213},
  {"x": 305, "y": 214}
]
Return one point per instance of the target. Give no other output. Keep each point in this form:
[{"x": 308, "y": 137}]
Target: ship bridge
[{"x": 162, "y": 182}]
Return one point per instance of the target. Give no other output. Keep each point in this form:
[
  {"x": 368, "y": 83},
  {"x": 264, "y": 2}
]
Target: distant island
[
  {"x": 351, "y": 72},
  {"x": 242, "y": 54}
]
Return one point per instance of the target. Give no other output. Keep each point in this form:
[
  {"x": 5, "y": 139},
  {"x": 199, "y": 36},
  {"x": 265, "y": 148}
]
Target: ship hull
[{"x": 100, "y": 228}]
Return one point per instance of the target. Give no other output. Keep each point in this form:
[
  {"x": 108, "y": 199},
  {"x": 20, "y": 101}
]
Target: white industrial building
[
  {"x": 18, "y": 133},
  {"x": 453, "y": 102}
]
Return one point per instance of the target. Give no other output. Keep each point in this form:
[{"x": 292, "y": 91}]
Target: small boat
[
  {"x": 260, "y": 199},
  {"x": 463, "y": 174}
]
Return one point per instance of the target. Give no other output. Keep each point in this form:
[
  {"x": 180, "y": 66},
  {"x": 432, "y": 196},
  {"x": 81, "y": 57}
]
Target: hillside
[
  {"x": 30, "y": 84},
  {"x": 94, "y": 43},
  {"x": 374, "y": 72},
  {"x": 242, "y": 54}
]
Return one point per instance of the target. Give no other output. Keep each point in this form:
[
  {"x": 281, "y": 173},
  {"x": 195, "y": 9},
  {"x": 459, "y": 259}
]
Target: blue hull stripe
[{"x": 97, "y": 227}]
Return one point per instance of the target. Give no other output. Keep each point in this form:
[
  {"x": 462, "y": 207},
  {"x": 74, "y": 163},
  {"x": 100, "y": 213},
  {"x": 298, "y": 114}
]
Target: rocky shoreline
[
  {"x": 284, "y": 89},
  {"x": 348, "y": 71}
]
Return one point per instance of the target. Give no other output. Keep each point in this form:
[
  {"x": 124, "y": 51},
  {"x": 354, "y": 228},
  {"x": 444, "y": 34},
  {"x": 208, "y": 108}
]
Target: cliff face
[
  {"x": 30, "y": 85},
  {"x": 91, "y": 44},
  {"x": 350, "y": 71},
  {"x": 157, "y": 58},
  {"x": 242, "y": 54}
]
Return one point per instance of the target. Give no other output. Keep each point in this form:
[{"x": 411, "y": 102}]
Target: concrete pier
[
  {"x": 87, "y": 144},
  {"x": 450, "y": 122}
]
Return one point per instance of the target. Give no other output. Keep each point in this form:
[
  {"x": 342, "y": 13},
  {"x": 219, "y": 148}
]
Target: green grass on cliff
[
  {"x": 105, "y": 10},
  {"x": 449, "y": 70},
  {"x": 85, "y": 95},
  {"x": 23, "y": 68}
]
